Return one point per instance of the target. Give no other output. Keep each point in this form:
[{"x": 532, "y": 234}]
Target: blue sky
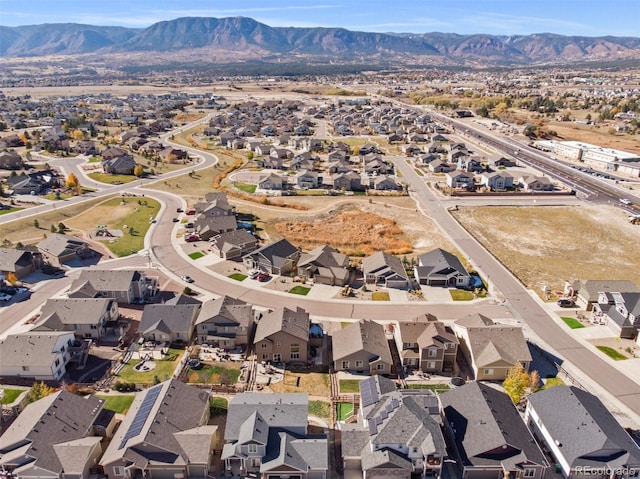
[{"x": 500, "y": 17}]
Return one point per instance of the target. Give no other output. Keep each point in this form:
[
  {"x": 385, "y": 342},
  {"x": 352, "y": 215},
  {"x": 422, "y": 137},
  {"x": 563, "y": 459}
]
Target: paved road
[{"x": 519, "y": 301}]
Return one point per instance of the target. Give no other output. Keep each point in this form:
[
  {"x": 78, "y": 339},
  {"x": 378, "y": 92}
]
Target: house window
[
  {"x": 415, "y": 450},
  {"x": 255, "y": 462},
  {"x": 359, "y": 364},
  {"x": 432, "y": 353},
  {"x": 94, "y": 326},
  {"x": 118, "y": 471},
  {"x": 277, "y": 357},
  {"x": 278, "y": 344},
  {"x": 253, "y": 448},
  {"x": 265, "y": 357},
  {"x": 488, "y": 372},
  {"x": 57, "y": 362},
  {"x": 345, "y": 364},
  {"x": 450, "y": 346},
  {"x": 263, "y": 345},
  {"x": 529, "y": 473},
  {"x": 380, "y": 367},
  {"x": 431, "y": 364},
  {"x": 25, "y": 368},
  {"x": 295, "y": 351}
]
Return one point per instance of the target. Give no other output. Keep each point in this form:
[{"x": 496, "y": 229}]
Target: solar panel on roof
[
  {"x": 141, "y": 414},
  {"x": 368, "y": 392}
]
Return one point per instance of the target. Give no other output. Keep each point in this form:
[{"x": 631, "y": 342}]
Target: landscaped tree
[
  {"x": 37, "y": 391},
  {"x": 36, "y": 223},
  {"x": 72, "y": 183},
  {"x": 12, "y": 278},
  {"x": 519, "y": 382},
  {"x": 61, "y": 228},
  {"x": 138, "y": 171}
]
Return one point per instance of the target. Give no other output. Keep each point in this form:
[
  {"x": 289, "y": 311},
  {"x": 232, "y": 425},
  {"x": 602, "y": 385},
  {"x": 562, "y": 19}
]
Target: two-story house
[
  {"x": 427, "y": 344},
  {"x": 85, "y": 317},
  {"x": 620, "y": 311},
  {"x": 282, "y": 335},
  {"x": 224, "y": 323},
  {"x": 280, "y": 257},
  {"x": 362, "y": 347},
  {"x": 125, "y": 286}
]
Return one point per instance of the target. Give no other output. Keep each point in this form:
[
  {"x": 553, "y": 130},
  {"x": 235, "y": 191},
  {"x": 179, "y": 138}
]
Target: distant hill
[{"x": 259, "y": 42}]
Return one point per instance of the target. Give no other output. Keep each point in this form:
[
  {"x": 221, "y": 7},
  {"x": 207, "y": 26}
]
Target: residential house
[
  {"x": 233, "y": 244},
  {"x": 19, "y": 262},
  {"x": 122, "y": 165},
  {"x": 126, "y": 286},
  {"x": 535, "y": 183},
  {"x": 581, "y": 434},
  {"x": 620, "y": 311},
  {"x": 502, "y": 163},
  {"x": 56, "y": 436},
  {"x": 266, "y": 436},
  {"x": 208, "y": 226},
  {"x": 426, "y": 159},
  {"x": 427, "y": 344},
  {"x": 174, "y": 155},
  {"x": 85, "y": 317},
  {"x": 440, "y": 166},
  {"x": 337, "y": 155},
  {"x": 32, "y": 183},
  {"x": 350, "y": 181},
  {"x": 488, "y": 438},
  {"x": 384, "y": 183},
  {"x": 498, "y": 181},
  {"x": 398, "y": 434},
  {"x": 272, "y": 182},
  {"x": 375, "y": 166},
  {"x": 87, "y": 148},
  {"x": 58, "y": 249},
  {"x": 163, "y": 434},
  {"x": 460, "y": 179},
  {"x": 172, "y": 321},
  {"x": 362, "y": 347},
  {"x": 441, "y": 268},
  {"x": 39, "y": 355},
  {"x": 283, "y": 336},
  {"x": 280, "y": 257},
  {"x": 113, "y": 152},
  {"x": 492, "y": 349},
  {"x": 308, "y": 180},
  {"x": 10, "y": 160},
  {"x": 324, "y": 265},
  {"x": 224, "y": 323},
  {"x": 587, "y": 292},
  {"x": 471, "y": 165},
  {"x": 384, "y": 269}
]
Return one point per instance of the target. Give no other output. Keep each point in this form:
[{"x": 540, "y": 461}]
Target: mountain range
[{"x": 245, "y": 39}]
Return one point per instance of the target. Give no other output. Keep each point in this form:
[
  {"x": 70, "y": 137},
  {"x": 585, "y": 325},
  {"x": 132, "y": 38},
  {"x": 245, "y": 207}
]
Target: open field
[
  {"x": 130, "y": 215},
  {"x": 544, "y": 246},
  {"x": 23, "y": 230},
  {"x": 596, "y": 135},
  {"x": 191, "y": 187}
]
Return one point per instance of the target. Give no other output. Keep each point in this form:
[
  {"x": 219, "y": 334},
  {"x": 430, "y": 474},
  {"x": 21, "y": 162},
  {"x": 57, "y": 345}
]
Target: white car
[
  {"x": 187, "y": 278},
  {"x": 625, "y": 201},
  {"x": 5, "y": 297},
  {"x": 253, "y": 274}
]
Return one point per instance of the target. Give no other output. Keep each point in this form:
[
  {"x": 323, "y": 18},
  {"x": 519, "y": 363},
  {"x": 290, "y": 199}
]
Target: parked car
[
  {"x": 190, "y": 238},
  {"x": 5, "y": 297},
  {"x": 188, "y": 225},
  {"x": 625, "y": 201},
  {"x": 566, "y": 303},
  {"x": 262, "y": 277},
  {"x": 186, "y": 278},
  {"x": 190, "y": 212},
  {"x": 179, "y": 210},
  {"x": 175, "y": 220},
  {"x": 254, "y": 273}
]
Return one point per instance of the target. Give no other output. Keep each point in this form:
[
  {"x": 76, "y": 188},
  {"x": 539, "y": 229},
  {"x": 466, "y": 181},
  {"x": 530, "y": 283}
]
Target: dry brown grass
[
  {"x": 544, "y": 246},
  {"x": 315, "y": 384},
  {"x": 353, "y": 232},
  {"x": 600, "y": 135}
]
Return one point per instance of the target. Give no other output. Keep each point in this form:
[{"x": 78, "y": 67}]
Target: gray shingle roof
[
  {"x": 439, "y": 260},
  {"x": 173, "y": 317},
  {"x": 582, "y": 425},
  {"x": 226, "y": 310},
  {"x": 363, "y": 335},
  {"x": 68, "y": 311},
  {"x": 484, "y": 420},
  {"x": 106, "y": 280},
  {"x": 31, "y": 349},
  {"x": 61, "y": 245},
  {"x": 9, "y": 257},
  {"x": 296, "y": 323}
]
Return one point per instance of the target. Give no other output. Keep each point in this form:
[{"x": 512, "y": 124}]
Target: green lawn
[
  {"x": 612, "y": 353},
  {"x": 380, "y": 296},
  {"x": 219, "y": 405},
  {"x": 9, "y": 210},
  {"x": 112, "y": 179},
  {"x": 461, "y": 295},
  {"x": 246, "y": 187},
  {"x": 119, "y": 403},
  {"x": 214, "y": 374},
  {"x": 11, "y": 395},
  {"x": 437, "y": 388},
  {"x": 95, "y": 159},
  {"x": 164, "y": 369},
  {"x": 138, "y": 220},
  {"x": 419, "y": 172},
  {"x": 551, "y": 382},
  {"x": 573, "y": 323},
  {"x": 301, "y": 290},
  {"x": 344, "y": 410},
  {"x": 238, "y": 276},
  {"x": 196, "y": 255},
  {"x": 349, "y": 386},
  {"x": 320, "y": 408}
]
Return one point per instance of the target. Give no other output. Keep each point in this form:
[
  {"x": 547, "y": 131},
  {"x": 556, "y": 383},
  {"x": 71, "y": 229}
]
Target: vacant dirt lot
[
  {"x": 544, "y": 246},
  {"x": 597, "y": 135}
]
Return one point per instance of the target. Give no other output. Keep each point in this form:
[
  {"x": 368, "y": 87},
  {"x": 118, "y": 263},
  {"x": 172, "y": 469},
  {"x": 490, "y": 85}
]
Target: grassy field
[
  {"x": 461, "y": 295},
  {"x": 612, "y": 353},
  {"x": 246, "y": 187},
  {"x": 215, "y": 374},
  {"x": 380, "y": 296},
  {"x": 349, "y": 386},
  {"x": 301, "y": 290},
  {"x": 112, "y": 179},
  {"x": 196, "y": 255},
  {"x": 344, "y": 410},
  {"x": 557, "y": 241},
  {"x": 24, "y": 231},
  {"x": 164, "y": 369},
  {"x": 10, "y": 395},
  {"x": 238, "y": 276},
  {"x": 316, "y": 384},
  {"x": 197, "y": 184},
  {"x": 116, "y": 213},
  {"x": 573, "y": 323},
  {"x": 119, "y": 403},
  {"x": 9, "y": 210},
  {"x": 320, "y": 408}
]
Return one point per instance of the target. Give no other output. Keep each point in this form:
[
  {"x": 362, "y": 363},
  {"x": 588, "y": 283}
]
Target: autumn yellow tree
[
  {"x": 519, "y": 381},
  {"x": 78, "y": 135},
  {"x": 37, "y": 391},
  {"x": 138, "y": 171},
  {"x": 72, "y": 183},
  {"x": 12, "y": 278}
]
